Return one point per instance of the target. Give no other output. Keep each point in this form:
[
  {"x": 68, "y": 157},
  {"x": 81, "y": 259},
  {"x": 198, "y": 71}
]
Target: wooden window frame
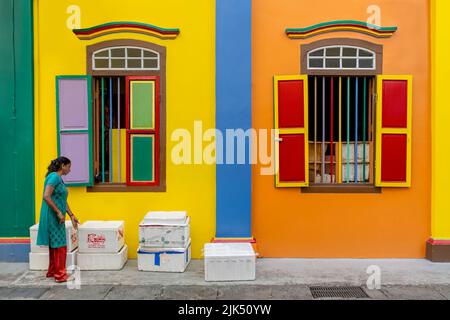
[
  {"x": 126, "y": 59},
  {"x": 133, "y": 132},
  {"x": 161, "y": 73},
  {"x": 368, "y": 187},
  {"x": 341, "y": 57},
  {"x": 378, "y": 50}
]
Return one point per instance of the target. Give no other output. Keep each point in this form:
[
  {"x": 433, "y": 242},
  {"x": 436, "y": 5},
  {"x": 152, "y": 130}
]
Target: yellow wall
[
  {"x": 440, "y": 200},
  {"x": 190, "y": 97}
]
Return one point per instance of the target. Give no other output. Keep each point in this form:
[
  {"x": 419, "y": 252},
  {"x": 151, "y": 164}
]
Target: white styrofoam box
[
  {"x": 229, "y": 262},
  {"x": 103, "y": 261},
  {"x": 101, "y": 236},
  {"x": 327, "y": 178},
  {"x": 164, "y": 236},
  {"x": 351, "y": 173},
  {"x": 164, "y": 259},
  {"x": 165, "y": 218},
  {"x": 71, "y": 238},
  {"x": 40, "y": 260},
  {"x": 361, "y": 147}
]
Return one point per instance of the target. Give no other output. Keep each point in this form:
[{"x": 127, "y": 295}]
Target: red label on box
[
  {"x": 74, "y": 238},
  {"x": 96, "y": 241}
]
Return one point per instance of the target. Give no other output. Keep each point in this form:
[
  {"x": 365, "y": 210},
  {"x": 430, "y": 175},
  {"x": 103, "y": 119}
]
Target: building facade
[{"x": 317, "y": 133}]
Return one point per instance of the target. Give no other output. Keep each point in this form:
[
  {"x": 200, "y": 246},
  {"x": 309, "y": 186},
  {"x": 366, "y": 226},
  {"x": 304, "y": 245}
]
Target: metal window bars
[
  {"x": 108, "y": 118},
  {"x": 342, "y": 110}
]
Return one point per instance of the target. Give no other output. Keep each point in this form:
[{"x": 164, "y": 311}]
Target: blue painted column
[{"x": 233, "y": 111}]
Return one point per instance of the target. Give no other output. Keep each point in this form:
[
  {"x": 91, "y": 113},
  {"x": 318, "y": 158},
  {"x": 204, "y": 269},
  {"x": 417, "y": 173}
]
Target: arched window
[
  {"x": 125, "y": 58},
  {"x": 344, "y": 57},
  {"x": 129, "y": 112},
  {"x": 341, "y": 58},
  {"x": 341, "y": 83}
]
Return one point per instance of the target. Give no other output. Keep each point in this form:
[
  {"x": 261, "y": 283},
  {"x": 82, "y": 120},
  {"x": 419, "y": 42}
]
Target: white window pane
[
  {"x": 118, "y": 53},
  {"x": 318, "y": 53},
  {"x": 101, "y": 63},
  {"x": 349, "y": 52},
  {"x": 126, "y": 58},
  {"x": 118, "y": 63},
  {"x": 132, "y": 52},
  {"x": 134, "y": 64},
  {"x": 365, "y": 53},
  {"x": 332, "y": 63},
  {"x": 149, "y": 54},
  {"x": 150, "y": 64},
  {"x": 104, "y": 53},
  {"x": 341, "y": 58},
  {"x": 333, "y": 52},
  {"x": 316, "y": 63},
  {"x": 366, "y": 63},
  {"x": 349, "y": 63}
]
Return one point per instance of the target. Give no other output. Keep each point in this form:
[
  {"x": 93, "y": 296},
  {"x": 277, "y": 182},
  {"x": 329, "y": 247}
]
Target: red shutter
[
  {"x": 393, "y": 161},
  {"x": 291, "y": 122}
]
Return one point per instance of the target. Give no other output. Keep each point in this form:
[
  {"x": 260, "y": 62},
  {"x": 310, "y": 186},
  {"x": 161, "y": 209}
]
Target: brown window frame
[
  {"x": 306, "y": 48},
  {"x": 378, "y": 49},
  {"x": 161, "y": 73}
]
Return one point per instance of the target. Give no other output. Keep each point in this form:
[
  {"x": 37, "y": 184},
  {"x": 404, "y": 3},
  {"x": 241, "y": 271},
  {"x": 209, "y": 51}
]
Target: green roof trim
[
  {"x": 121, "y": 23},
  {"x": 341, "y": 23}
]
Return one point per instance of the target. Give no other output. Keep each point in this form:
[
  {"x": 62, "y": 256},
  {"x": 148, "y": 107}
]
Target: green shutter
[
  {"x": 142, "y": 105},
  {"x": 142, "y": 158}
]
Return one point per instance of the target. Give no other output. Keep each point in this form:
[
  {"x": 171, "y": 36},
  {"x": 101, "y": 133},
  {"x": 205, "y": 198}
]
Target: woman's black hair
[{"x": 57, "y": 164}]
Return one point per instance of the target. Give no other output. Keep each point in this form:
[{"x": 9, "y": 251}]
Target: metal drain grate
[{"x": 338, "y": 292}]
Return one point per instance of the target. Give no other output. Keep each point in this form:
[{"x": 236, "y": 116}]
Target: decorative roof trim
[
  {"x": 126, "y": 27},
  {"x": 341, "y": 25}
]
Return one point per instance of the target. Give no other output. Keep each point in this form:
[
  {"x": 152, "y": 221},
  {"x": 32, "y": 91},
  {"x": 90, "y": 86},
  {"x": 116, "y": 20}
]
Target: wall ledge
[{"x": 438, "y": 250}]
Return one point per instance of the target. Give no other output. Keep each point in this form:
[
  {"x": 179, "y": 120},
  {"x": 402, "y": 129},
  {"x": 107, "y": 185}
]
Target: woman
[{"x": 52, "y": 228}]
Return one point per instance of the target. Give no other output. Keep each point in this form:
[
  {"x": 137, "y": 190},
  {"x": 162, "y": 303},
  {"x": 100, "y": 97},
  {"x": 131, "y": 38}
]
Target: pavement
[{"x": 276, "y": 279}]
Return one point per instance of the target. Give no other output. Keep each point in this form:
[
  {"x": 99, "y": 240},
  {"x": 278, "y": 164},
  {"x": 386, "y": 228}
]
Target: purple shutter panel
[{"x": 74, "y": 127}]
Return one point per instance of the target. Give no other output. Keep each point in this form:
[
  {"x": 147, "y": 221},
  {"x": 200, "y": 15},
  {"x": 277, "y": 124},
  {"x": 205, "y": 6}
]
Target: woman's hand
[
  {"x": 61, "y": 217},
  {"x": 75, "y": 222},
  {"x": 74, "y": 219}
]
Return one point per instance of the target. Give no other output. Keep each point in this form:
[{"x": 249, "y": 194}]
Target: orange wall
[{"x": 394, "y": 224}]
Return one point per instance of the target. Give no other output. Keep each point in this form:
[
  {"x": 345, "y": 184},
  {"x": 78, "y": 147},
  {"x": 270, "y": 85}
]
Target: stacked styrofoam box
[
  {"x": 164, "y": 242},
  {"x": 164, "y": 259},
  {"x": 39, "y": 255},
  {"x": 351, "y": 150},
  {"x": 229, "y": 262},
  {"x": 351, "y": 172},
  {"x": 327, "y": 178},
  {"x": 102, "y": 245}
]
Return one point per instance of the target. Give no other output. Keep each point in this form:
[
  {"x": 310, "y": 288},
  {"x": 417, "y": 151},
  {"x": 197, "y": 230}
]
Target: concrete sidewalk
[{"x": 278, "y": 279}]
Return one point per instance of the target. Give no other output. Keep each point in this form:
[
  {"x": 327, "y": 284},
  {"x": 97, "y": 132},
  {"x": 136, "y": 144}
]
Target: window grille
[
  {"x": 341, "y": 58},
  {"x": 125, "y": 58}
]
